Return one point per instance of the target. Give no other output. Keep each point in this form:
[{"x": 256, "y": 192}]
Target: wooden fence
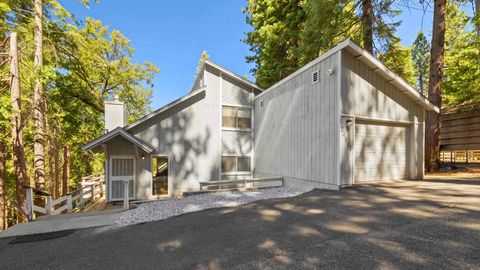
[{"x": 76, "y": 199}]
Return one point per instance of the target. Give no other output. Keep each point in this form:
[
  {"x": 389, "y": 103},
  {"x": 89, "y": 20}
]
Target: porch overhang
[{"x": 98, "y": 142}]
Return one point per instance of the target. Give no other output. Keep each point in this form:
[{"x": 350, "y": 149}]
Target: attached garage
[{"x": 381, "y": 151}]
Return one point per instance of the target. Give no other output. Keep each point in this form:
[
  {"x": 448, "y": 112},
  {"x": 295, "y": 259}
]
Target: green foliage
[
  {"x": 399, "y": 59},
  {"x": 203, "y": 57},
  {"x": 97, "y": 65},
  {"x": 462, "y": 60},
  {"x": 288, "y": 34},
  {"x": 275, "y": 38},
  {"x": 421, "y": 62},
  {"x": 84, "y": 63},
  {"x": 327, "y": 23}
]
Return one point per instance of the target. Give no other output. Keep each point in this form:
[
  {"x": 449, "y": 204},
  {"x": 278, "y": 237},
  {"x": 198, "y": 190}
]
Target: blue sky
[{"x": 172, "y": 35}]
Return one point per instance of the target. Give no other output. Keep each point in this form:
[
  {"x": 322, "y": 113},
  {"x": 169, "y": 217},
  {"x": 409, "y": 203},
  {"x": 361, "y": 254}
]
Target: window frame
[
  {"x": 236, "y": 171},
  {"x": 236, "y": 117}
]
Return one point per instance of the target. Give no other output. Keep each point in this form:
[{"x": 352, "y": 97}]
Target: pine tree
[
  {"x": 203, "y": 57},
  {"x": 421, "y": 57},
  {"x": 274, "y": 39},
  {"x": 432, "y": 125},
  {"x": 39, "y": 104},
  {"x": 462, "y": 60},
  {"x": 398, "y": 58}
]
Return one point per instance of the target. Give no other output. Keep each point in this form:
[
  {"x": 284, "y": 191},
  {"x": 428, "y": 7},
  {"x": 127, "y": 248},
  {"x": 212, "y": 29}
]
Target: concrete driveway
[{"x": 432, "y": 224}]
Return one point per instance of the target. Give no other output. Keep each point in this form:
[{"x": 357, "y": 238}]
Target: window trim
[{"x": 167, "y": 156}]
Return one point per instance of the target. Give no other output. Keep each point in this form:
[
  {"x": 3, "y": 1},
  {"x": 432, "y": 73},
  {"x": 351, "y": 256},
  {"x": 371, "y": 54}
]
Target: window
[
  {"x": 236, "y": 164},
  {"x": 228, "y": 164},
  {"x": 234, "y": 117},
  {"x": 243, "y": 164},
  {"x": 159, "y": 176}
]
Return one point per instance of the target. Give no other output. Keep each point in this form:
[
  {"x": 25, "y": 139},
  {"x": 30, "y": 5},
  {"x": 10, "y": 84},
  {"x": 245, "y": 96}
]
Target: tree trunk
[
  {"x": 367, "y": 25},
  {"x": 3, "y": 150},
  {"x": 38, "y": 110},
  {"x": 66, "y": 169},
  {"x": 432, "y": 129},
  {"x": 56, "y": 166},
  {"x": 19, "y": 164},
  {"x": 51, "y": 154},
  {"x": 477, "y": 16}
]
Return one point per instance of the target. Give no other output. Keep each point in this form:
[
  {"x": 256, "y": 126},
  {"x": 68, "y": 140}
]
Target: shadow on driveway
[{"x": 404, "y": 224}]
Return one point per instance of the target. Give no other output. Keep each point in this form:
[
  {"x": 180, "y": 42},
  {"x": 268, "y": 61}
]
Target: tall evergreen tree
[
  {"x": 432, "y": 125},
  {"x": 462, "y": 60},
  {"x": 421, "y": 58},
  {"x": 39, "y": 104},
  {"x": 274, "y": 39},
  {"x": 398, "y": 58}
]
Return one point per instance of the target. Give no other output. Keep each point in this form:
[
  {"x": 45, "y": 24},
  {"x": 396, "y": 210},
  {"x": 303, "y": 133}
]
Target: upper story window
[{"x": 236, "y": 117}]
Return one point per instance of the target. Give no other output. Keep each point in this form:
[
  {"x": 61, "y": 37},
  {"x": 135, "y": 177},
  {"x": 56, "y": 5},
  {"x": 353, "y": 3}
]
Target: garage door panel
[
  {"x": 374, "y": 174},
  {"x": 381, "y": 151}
]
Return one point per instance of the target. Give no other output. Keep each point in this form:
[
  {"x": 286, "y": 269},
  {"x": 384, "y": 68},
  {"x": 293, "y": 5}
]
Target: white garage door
[{"x": 381, "y": 151}]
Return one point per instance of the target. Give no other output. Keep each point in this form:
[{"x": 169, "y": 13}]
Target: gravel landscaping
[{"x": 163, "y": 209}]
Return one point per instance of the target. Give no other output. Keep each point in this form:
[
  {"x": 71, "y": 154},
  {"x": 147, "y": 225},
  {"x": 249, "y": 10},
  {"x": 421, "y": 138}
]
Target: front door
[{"x": 121, "y": 169}]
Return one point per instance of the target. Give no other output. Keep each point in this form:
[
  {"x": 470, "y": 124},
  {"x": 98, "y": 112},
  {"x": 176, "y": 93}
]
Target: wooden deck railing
[{"x": 75, "y": 199}]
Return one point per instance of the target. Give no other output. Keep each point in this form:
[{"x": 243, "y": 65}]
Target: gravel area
[{"x": 163, "y": 209}]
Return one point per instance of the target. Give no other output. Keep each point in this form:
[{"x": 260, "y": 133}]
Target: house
[{"x": 341, "y": 119}]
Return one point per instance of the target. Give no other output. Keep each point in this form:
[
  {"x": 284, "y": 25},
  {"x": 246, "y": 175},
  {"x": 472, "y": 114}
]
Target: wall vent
[{"x": 315, "y": 77}]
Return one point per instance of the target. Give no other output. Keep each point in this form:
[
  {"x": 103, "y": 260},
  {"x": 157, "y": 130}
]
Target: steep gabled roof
[
  {"x": 118, "y": 132},
  {"x": 373, "y": 63},
  {"x": 233, "y": 75},
  {"x": 166, "y": 107}
]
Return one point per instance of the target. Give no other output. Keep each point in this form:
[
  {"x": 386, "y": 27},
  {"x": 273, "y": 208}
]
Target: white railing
[{"x": 90, "y": 191}]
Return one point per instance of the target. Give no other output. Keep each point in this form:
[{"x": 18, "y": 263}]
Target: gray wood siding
[
  {"x": 121, "y": 147},
  {"x": 237, "y": 143},
  {"x": 190, "y": 137},
  {"x": 296, "y": 131},
  {"x": 367, "y": 94},
  {"x": 236, "y": 93}
]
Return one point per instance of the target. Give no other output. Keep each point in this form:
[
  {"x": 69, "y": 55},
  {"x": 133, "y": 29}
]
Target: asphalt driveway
[{"x": 431, "y": 224}]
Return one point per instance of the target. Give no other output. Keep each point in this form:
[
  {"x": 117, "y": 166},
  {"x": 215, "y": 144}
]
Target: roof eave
[
  {"x": 114, "y": 133},
  {"x": 164, "y": 108},
  {"x": 391, "y": 76},
  {"x": 234, "y": 75}
]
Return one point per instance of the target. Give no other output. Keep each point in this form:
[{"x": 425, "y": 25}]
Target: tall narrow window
[
  {"x": 229, "y": 117},
  {"x": 159, "y": 176}
]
